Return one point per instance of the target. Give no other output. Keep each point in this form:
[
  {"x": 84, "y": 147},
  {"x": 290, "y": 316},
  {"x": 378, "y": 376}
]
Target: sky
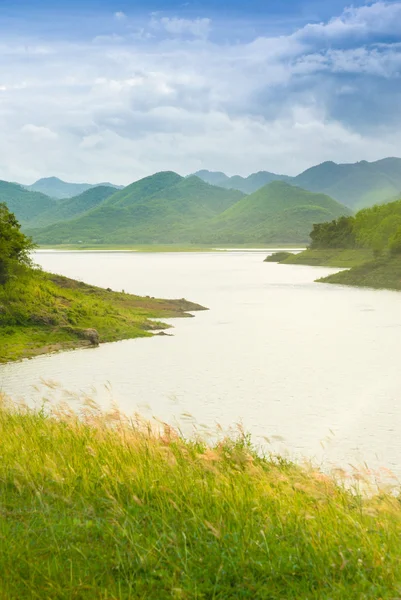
[{"x": 107, "y": 90}]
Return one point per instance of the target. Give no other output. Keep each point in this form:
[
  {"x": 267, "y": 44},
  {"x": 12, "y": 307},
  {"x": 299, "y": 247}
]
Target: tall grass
[{"x": 101, "y": 506}]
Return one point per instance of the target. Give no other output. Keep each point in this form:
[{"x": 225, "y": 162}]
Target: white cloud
[
  {"x": 123, "y": 107},
  {"x": 38, "y": 132},
  {"x": 198, "y": 28},
  {"x": 120, "y": 16}
]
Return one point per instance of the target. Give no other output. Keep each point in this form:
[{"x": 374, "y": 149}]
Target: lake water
[{"x": 313, "y": 367}]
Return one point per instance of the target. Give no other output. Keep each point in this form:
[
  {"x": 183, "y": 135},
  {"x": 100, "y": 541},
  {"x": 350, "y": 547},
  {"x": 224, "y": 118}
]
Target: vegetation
[
  {"x": 161, "y": 209},
  {"x": 26, "y": 205},
  {"x": 276, "y": 213},
  {"x": 384, "y": 272},
  {"x": 40, "y": 312},
  {"x": 356, "y": 185},
  {"x": 278, "y": 256},
  {"x": 56, "y": 188},
  {"x": 103, "y": 507},
  {"x": 70, "y": 208},
  {"x": 14, "y": 246},
  {"x": 369, "y": 243}
]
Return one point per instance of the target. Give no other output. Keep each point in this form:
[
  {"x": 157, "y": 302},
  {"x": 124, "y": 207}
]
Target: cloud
[
  {"x": 38, "y": 132},
  {"x": 120, "y": 16},
  {"x": 127, "y": 105},
  {"x": 379, "y": 18},
  {"x": 198, "y": 28}
]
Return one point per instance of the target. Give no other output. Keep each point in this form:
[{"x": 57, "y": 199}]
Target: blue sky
[{"x": 106, "y": 90}]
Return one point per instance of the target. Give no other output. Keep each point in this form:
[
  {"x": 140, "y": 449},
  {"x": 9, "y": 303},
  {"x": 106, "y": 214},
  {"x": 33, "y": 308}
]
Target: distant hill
[
  {"x": 56, "y": 188},
  {"x": 356, "y": 185},
  {"x": 278, "y": 212},
  {"x": 247, "y": 185},
  {"x": 24, "y": 204},
  {"x": 63, "y": 210},
  {"x": 162, "y": 208},
  {"x": 167, "y": 208}
]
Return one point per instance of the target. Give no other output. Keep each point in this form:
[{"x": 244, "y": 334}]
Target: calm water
[{"x": 316, "y": 365}]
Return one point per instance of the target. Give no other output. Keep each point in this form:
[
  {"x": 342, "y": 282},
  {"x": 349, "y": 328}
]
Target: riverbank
[
  {"x": 162, "y": 247},
  {"x": 42, "y": 313},
  {"x": 104, "y": 507},
  {"x": 362, "y": 269}
]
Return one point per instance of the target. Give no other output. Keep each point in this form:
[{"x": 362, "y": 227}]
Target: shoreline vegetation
[
  {"x": 164, "y": 247},
  {"x": 103, "y": 506},
  {"x": 361, "y": 269},
  {"x": 42, "y": 313}
]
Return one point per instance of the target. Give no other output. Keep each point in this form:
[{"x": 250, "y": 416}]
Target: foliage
[
  {"x": 26, "y": 205},
  {"x": 42, "y": 313},
  {"x": 102, "y": 507},
  {"x": 381, "y": 273},
  {"x": 277, "y": 257},
  {"x": 334, "y": 234},
  {"x": 14, "y": 245}
]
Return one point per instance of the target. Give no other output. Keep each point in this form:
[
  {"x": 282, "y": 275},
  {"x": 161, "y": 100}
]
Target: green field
[
  {"x": 103, "y": 507},
  {"x": 43, "y": 313}
]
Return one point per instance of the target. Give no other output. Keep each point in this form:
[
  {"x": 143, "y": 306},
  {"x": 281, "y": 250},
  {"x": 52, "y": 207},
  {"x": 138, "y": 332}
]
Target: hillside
[
  {"x": 56, "y": 188},
  {"x": 26, "y": 205},
  {"x": 356, "y": 185},
  {"x": 63, "y": 210},
  {"x": 278, "y": 212},
  {"x": 247, "y": 185},
  {"x": 369, "y": 244},
  {"x": 163, "y": 208}
]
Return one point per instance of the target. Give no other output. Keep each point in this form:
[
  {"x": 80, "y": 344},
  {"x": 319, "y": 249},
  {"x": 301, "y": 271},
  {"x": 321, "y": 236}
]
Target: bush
[{"x": 14, "y": 245}]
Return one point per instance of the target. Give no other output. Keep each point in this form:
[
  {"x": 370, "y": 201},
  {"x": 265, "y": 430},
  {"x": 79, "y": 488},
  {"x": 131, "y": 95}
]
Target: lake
[{"x": 312, "y": 367}]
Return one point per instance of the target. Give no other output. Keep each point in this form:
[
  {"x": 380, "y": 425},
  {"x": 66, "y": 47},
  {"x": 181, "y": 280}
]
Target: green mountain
[
  {"x": 278, "y": 212},
  {"x": 56, "y": 188},
  {"x": 163, "y": 208},
  {"x": 24, "y": 204},
  {"x": 63, "y": 210},
  {"x": 356, "y": 185},
  {"x": 247, "y": 185}
]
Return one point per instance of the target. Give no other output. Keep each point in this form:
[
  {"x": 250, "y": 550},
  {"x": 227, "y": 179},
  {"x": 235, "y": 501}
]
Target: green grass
[
  {"x": 43, "y": 313},
  {"x": 331, "y": 257},
  {"x": 99, "y": 507},
  {"x": 382, "y": 273}
]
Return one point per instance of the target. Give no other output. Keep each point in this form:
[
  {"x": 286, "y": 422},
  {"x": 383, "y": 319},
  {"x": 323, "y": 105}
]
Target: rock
[{"x": 92, "y": 336}]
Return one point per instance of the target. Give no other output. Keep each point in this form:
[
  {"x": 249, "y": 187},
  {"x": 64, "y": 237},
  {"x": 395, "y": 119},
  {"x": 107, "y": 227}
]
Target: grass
[
  {"x": 331, "y": 257},
  {"x": 41, "y": 313},
  {"x": 382, "y": 273},
  {"x": 103, "y": 507},
  {"x": 362, "y": 269}
]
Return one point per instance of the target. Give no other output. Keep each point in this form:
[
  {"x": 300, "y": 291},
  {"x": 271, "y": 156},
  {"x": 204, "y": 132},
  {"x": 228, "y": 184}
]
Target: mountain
[
  {"x": 162, "y": 208},
  {"x": 247, "y": 185},
  {"x": 277, "y": 213},
  {"x": 356, "y": 185},
  {"x": 56, "y": 188},
  {"x": 63, "y": 210},
  {"x": 24, "y": 204}
]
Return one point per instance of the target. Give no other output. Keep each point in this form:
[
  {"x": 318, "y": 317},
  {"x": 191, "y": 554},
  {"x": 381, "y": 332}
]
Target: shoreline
[
  {"x": 44, "y": 313},
  {"x": 360, "y": 267}
]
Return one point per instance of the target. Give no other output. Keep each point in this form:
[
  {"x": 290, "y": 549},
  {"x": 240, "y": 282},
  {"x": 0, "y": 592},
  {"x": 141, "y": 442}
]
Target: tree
[{"x": 14, "y": 245}]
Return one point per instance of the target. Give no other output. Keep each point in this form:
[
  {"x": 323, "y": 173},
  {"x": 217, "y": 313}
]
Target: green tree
[{"x": 14, "y": 245}]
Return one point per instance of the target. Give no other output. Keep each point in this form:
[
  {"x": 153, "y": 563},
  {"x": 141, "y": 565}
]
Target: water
[{"x": 316, "y": 365}]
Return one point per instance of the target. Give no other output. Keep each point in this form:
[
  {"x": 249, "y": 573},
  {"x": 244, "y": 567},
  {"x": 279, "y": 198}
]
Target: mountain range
[
  {"x": 203, "y": 208},
  {"x": 357, "y": 185},
  {"x": 167, "y": 208},
  {"x": 56, "y": 188}
]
